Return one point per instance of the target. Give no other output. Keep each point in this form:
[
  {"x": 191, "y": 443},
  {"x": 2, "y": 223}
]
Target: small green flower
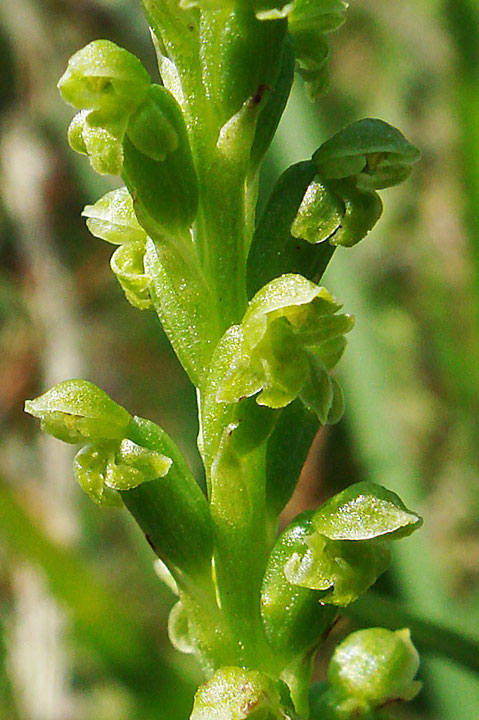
[{"x": 76, "y": 411}]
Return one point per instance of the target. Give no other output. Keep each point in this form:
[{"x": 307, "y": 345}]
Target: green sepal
[
  {"x": 112, "y": 218},
  {"x": 165, "y": 191},
  {"x": 234, "y": 693},
  {"x": 179, "y": 631},
  {"x": 239, "y": 54},
  {"x": 75, "y": 133},
  {"x": 76, "y": 410},
  {"x": 171, "y": 511},
  {"x": 365, "y": 511},
  {"x": 375, "y": 153},
  {"x": 274, "y": 251},
  {"x": 91, "y": 133},
  {"x": 295, "y": 618},
  {"x": 89, "y": 469},
  {"x": 283, "y": 320},
  {"x": 337, "y": 211},
  {"x": 134, "y": 465},
  {"x": 102, "y": 76},
  {"x": 374, "y": 666},
  {"x": 101, "y": 468},
  {"x": 150, "y": 128},
  {"x": 342, "y": 570},
  {"x": 127, "y": 263}
]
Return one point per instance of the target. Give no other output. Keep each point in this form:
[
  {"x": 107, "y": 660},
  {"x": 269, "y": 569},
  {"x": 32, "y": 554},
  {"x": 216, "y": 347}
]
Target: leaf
[{"x": 365, "y": 511}]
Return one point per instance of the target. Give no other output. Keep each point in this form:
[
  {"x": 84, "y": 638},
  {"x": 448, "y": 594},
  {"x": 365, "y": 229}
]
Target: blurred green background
[{"x": 82, "y": 614}]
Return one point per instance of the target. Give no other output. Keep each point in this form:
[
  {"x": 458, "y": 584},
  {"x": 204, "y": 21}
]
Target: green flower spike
[
  {"x": 112, "y": 218},
  {"x": 237, "y": 694},
  {"x": 369, "y": 669},
  {"x": 76, "y": 411},
  {"x": 291, "y": 337},
  {"x": 105, "y": 77}
]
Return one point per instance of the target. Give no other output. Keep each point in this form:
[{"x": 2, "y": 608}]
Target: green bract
[
  {"x": 158, "y": 167},
  {"x": 112, "y": 218},
  {"x": 284, "y": 350},
  {"x": 372, "y": 151},
  {"x": 105, "y": 77},
  {"x": 77, "y": 410},
  {"x": 237, "y": 694}
]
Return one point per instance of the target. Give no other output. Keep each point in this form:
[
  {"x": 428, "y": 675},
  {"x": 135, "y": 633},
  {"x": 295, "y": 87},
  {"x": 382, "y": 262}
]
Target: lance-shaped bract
[
  {"x": 102, "y": 76},
  {"x": 165, "y": 191},
  {"x": 294, "y": 617},
  {"x": 375, "y": 153},
  {"x": 234, "y": 693},
  {"x": 274, "y": 250},
  {"x": 368, "y": 669},
  {"x": 285, "y": 347},
  {"x": 76, "y": 411},
  {"x": 239, "y": 55}
]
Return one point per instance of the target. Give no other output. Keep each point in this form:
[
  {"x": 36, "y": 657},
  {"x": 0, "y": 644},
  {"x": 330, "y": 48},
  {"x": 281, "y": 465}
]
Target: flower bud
[
  {"x": 103, "y": 76},
  {"x": 127, "y": 262},
  {"x": 112, "y": 218},
  {"x": 375, "y": 666},
  {"x": 77, "y": 410},
  {"x": 237, "y": 694}
]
